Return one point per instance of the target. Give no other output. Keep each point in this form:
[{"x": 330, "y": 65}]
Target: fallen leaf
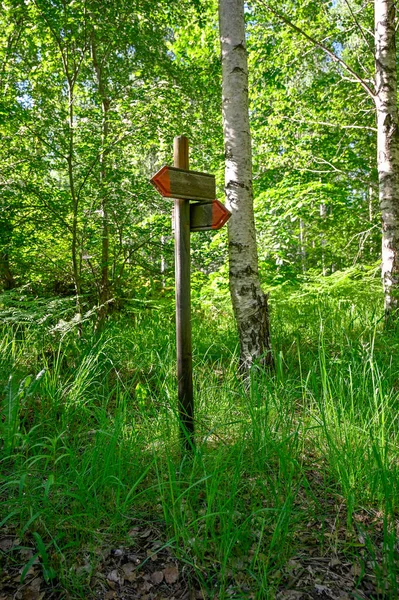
[
  {"x": 146, "y": 586},
  {"x": 171, "y": 574},
  {"x": 32, "y": 591},
  {"x": 129, "y": 572},
  {"x": 35, "y": 583},
  {"x": 32, "y": 571},
  {"x": 334, "y": 562},
  {"x": 157, "y": 577},
  {"x": 145, "y": 533},
  {"x": 26, "y": 554},
  {"x": 320, "y": 589},
  {"x": 133, "y": 532},
  {"x": 6, "y": 543},
  {"x": 114, "y": 577}
]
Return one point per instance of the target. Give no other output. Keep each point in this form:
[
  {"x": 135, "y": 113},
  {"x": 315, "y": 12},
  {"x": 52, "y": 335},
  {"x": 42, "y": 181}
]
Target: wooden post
[
  {"x": 183, "y": 185},
  {"x": 183, "y": 303}
]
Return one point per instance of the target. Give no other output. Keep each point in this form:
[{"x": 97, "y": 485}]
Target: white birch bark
[
  {"x": 249, "y": 301},
  {"x": 323, "y": 215},
  {"x": 302, "y": 246},
  {"x": 387, "y": 147}
]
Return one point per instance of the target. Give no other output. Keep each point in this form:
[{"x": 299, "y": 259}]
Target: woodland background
[
  {"x": 292, "y": 489},
  {"x": 157, "y": 69}
]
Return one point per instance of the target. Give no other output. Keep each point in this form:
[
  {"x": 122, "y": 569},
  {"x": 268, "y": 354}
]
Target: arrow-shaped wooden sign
[
  {"x": 208, "y": 215},
  {"x": 183, "y": 185},
  {"x": 189, "y": 185},
  {"x": 205, "y": 216}
]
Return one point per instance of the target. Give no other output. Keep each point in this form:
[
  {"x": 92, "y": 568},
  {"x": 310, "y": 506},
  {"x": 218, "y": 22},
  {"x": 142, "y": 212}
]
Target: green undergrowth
[{"x": 304, "y": 458}]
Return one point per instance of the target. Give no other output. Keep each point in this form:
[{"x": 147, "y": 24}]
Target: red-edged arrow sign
[
  {"x": 208, "y": 215},
  {"x": 189, "y": 185}
]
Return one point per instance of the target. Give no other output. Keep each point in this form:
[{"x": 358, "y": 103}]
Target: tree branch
[
  {"x": 325, "y": 124},
  {"x": 315, "y": 42},
  {"x": 360, "y": 28}
]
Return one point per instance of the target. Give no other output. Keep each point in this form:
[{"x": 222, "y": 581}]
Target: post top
[{"x": 180, "y": 152}]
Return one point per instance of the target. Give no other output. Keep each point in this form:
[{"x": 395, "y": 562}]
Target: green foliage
[
  {"x": 314, "y": 137},
  {"x": 59, "y": 171},
  {"x": 313, "y": 141}
]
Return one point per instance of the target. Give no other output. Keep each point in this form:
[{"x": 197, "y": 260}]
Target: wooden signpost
[
  {"x": 205, "y": 216},
  {"x": 207, "y": 213},
  {"x": 181, "y": 183}
]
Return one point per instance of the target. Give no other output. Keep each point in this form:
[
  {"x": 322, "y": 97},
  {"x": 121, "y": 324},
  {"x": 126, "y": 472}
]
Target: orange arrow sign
[
  {"x": 189, "y": 185},
  {"x": 208, "y": 215}
]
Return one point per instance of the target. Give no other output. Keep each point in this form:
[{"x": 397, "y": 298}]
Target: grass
[{"x": 304, "y": 462}]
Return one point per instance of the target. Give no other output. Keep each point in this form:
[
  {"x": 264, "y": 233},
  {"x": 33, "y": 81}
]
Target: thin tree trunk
[
  {"x": 104, "y": 287},
  {"x": 75, "y": 250},
  {"x": 249, "y": 301},
  {"x": 387, "y": 148},
  {"x": 6, "y": 275},
  {"x": 71, "y": 66},
  {"x": 105, "y": 284},
  {"x": 6, "y": 231},
  {"x": 302, "y": 246},
  {"x": 323, "y": 215}
]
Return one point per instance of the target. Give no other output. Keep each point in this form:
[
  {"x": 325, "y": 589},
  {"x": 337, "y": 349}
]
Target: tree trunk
[
  {"x": 105, "y": 284},
  {"x": 387, "y": 148},
  {"x": 302, "y": 246},
  {"x": 6, "y": 276},
  {"x": 104, "y": 287},
  {"x": 249, "y": 301},
  {"x": 75, "y": 248},
  {"x": 323, "y": 215}
]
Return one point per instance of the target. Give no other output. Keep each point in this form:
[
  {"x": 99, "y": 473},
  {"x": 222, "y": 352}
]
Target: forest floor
[
  {"x": 291, "y": 492},
  {"x": 144, "y": 567}
]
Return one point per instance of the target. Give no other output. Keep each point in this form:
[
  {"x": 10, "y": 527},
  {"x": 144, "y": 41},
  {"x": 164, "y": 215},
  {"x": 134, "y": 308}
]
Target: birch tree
[
  {"x": 249, "y": 301},
  {"x": 387, "y": 146},
  {"x": 383, "y": 93}
]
